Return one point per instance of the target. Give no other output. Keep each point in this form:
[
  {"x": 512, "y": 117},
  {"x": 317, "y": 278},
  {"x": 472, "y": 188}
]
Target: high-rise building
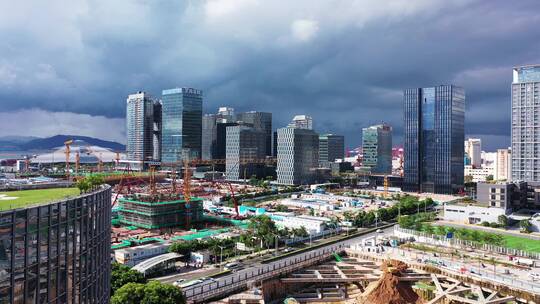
[
  {"x": 143, "y": 119},
  {"x": 261, "y": 121},
  {"x": 57, "y": 252},
  {"x": 473, "y": 148},
  {"x": 331, "y": 147},
  {"x": 503, "y": 169},
  {"x": 434, "y": 139},
  {"x": 244, "y": 143},
  {"x": 213, "y": 132},
  {"x": 181, "y": 124},
  {"x": 157, "y": 131},
  {"x": 525, "y": 119},
  {"x": 297, "y": 156},
  {"x": 302, "y": 122},
  {"x": 226, "y": 113},
  {"x": 209, "y": 136},
  {"x": 377, "y": 148}
]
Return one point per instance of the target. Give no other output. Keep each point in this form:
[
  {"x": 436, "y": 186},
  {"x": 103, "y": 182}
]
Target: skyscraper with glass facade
[
  {"x": 143, "y": 118},
  {"x": 214, "y": 132},
  {"x": 525, "y": 122},
  {"x": 331, "y": 147},
  {"x": 181, "y": 124},
  {"x": 434, "y": 139},
  {"x": 377, "y": 149},
  {"x": 261, "y": 121}
]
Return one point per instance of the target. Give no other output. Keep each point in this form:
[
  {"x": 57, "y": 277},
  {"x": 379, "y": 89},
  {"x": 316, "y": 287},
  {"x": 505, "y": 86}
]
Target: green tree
[
  {"x": 152, "y": 292},
  {"x": 525, "y": 225},
  {"x": 502, "y": 220},
  {"x": 263, "y": 228},
  {"x": 83, "y": 184},
  {"x": 281, "y": 208},
  {"x": 130, "y": 293},
  {"x": 121, "y": 275},
  {"x": 440, "y": 230}
]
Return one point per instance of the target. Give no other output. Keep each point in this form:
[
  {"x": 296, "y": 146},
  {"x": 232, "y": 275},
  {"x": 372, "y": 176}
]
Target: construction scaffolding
[{"x": 146, "y": 212}]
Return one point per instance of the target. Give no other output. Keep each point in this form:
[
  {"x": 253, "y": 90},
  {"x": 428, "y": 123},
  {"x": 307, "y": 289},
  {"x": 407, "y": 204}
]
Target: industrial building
[{"x": 155, "y": 212}]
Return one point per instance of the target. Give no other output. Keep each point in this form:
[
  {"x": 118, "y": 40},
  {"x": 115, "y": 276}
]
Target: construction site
[{"x": 363, "y": 279}]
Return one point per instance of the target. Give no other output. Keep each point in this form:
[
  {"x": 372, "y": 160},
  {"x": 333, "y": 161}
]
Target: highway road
[{"x": 256, "y": 272}]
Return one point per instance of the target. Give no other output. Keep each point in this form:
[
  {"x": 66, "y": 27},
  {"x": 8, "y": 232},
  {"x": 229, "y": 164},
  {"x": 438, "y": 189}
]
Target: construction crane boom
[{"x": 68, "y": 152}]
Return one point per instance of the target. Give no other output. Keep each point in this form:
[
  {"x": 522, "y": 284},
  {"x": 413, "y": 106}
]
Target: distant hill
[
  {"x": 12, "y": 143},
  {"x": 56, "y": 141}
]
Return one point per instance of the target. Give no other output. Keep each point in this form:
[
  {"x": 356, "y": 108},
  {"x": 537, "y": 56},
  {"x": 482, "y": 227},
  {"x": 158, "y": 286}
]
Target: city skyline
[{"x": 298, "y": 68}]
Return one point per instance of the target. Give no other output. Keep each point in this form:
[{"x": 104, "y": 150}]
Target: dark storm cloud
[{"x": 343, "y": 62}]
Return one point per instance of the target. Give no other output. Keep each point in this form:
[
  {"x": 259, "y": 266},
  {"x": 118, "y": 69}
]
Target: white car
[
  {"x": 232, "y": 266},
  {"x": 178, "y": 282},
  {"x": 379, "y": 231},
  {"x": 534, "y": 276},
  {"x": 190, "y": 283}
]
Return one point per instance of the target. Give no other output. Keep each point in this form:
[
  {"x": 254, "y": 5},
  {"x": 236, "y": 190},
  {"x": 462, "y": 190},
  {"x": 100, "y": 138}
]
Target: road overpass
[{"x": 239, "y": 280}]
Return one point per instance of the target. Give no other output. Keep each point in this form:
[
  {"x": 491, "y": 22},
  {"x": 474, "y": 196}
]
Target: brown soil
[{"x": 389, "y": 290}]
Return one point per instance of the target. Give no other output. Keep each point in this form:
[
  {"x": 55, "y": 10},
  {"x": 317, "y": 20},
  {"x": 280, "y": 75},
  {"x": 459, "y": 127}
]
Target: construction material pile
[{"x": 389, "y": 289}]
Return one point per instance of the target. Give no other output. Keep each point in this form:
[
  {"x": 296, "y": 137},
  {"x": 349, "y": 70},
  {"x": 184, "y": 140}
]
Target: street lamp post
[{"x": 221, "y": 259}]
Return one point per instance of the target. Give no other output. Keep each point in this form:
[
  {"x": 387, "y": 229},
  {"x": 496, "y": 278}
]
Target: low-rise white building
[
  {"x": 472, "y": 213},
  {"x": 313, "y": 224},
  {"x": 313, "y": 204},
  {"x": 479, "y": 174},
  {"x": 134, "y": 255}
]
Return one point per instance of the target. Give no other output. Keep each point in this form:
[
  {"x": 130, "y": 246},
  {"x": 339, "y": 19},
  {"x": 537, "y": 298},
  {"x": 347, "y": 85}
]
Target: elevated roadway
[{"x": 239, "y": 280}]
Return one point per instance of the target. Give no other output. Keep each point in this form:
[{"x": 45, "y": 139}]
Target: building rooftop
[{"x": 25, "y": 198}]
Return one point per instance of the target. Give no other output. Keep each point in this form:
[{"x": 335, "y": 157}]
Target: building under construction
[{"x": 160, "y": 211}]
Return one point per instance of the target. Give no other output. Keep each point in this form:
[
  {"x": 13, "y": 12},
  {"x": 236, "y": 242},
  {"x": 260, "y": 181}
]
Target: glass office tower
[
  {"x": 434, "y": 139},
  {"x": 331, "y": 147},
  {"x": 140, "y": 120},
  {"x": 181, "y": 124},
  {"x": 525, "y": 121},
  {"x": 377, "y": 149},
  {"x": 260, "y": 121}
]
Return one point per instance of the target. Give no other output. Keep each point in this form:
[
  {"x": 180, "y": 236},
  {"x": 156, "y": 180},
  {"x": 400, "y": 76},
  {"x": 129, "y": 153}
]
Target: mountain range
[{"x": 23, "y": 143}]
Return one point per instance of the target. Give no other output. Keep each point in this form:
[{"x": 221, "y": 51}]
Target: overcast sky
[{"x": 66, "y": 67}]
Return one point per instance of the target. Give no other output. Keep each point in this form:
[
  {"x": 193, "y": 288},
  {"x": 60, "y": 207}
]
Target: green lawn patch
[
  {"x": 521, "y": 243},
  {"x": 20, "y": 199}
]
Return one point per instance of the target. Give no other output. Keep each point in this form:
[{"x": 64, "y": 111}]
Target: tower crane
[{"x": 68, "y": 152}]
